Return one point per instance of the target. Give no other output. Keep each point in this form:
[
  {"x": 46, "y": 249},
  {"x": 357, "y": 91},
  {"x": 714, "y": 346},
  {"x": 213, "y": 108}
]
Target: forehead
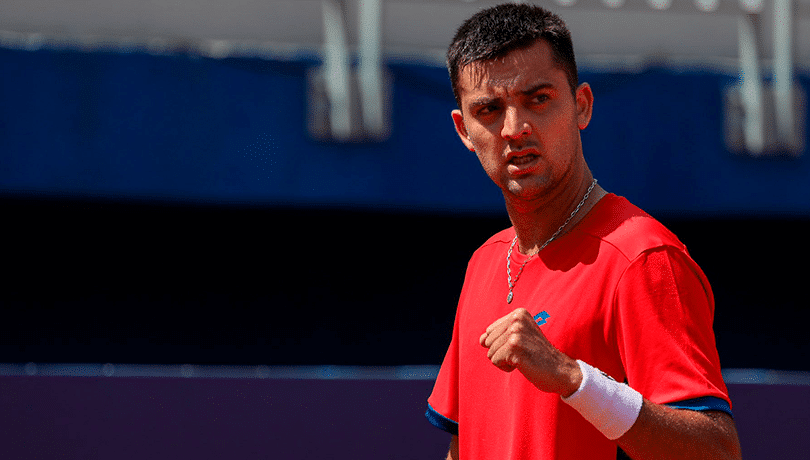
[{"x": 517, "y": 69}]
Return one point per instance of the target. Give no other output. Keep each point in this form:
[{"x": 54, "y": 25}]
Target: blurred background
[{"x": 228, "y": 205}]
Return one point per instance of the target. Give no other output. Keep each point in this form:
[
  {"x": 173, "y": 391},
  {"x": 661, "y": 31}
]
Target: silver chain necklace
[{"x": 555, "y": 235}]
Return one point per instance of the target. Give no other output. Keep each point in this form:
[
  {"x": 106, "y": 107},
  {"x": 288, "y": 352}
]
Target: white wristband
[{"x": 611, "y": 407}]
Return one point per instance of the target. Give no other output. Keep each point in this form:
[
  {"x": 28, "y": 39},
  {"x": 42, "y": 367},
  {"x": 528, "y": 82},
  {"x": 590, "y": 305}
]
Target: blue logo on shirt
[{"x": 541, "y": 318}]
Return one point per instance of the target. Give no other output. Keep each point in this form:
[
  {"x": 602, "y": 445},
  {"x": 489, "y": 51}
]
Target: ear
[
  {"x": 461, "y": 129},
  {"x": 584, "y": 97}
]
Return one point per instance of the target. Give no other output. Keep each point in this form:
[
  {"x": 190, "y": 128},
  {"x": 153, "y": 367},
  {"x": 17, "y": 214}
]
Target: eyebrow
[
  {"x": 486, "y": 100},
  {"x": 536, "y": 88},
  {"x": 483, "y": 100}
]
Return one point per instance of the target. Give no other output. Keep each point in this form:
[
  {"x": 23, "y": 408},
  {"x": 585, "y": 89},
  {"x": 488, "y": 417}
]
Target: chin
[
  {"x": 523, "y": 193},
  {"x": 527, "y": 188}
]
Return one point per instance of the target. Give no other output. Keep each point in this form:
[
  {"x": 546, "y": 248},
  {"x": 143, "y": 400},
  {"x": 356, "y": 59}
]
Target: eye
[
  {"x": 541, "y": 98},
  {"x": 487, "y": 109}
]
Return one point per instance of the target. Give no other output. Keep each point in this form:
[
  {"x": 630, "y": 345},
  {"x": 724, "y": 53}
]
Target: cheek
[
  {"x": 482, "y": 140},
  {"x": 564, "y": 136},
  {"x": 482, "y": 150},
  {"x": 483, "y": 158}
]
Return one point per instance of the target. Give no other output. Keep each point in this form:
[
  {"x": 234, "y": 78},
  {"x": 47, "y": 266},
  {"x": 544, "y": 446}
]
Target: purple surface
[
  {"x": 135, "y": 418},
  {"x": 773, "y": 420},
  {"x": 171, "y": 418}
]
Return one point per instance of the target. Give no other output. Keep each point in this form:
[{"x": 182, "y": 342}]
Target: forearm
[
  {"x": 662, "y": 432},
  {"x": 452, "y": 453},
  {"x": 646, "y": 430}
]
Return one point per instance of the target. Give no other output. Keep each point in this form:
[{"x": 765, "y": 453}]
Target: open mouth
[{"x": 522, "y": 160}]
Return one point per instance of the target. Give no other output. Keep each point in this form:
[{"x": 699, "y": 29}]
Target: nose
[{"x": 515, "y": 125}]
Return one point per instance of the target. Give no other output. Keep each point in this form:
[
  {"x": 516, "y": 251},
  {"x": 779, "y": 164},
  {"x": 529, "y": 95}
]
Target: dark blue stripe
[
  {"x": 704, "y": 403},
  {"x": 440, "y": 421},
  {"x": 700, "y": 404}
]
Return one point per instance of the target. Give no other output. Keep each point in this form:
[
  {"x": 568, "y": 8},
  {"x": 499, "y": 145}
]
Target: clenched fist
[{"x": 516, "y": 342}]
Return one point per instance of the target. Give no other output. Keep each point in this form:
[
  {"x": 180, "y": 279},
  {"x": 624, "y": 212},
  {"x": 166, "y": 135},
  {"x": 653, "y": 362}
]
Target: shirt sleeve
[
  {"x": 442, "y": 409},
  {"x": 664, "y": 307}
]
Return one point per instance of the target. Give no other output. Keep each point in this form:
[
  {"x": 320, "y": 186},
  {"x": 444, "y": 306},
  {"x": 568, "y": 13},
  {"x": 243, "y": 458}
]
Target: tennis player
[{"x": 585, "y": 329}]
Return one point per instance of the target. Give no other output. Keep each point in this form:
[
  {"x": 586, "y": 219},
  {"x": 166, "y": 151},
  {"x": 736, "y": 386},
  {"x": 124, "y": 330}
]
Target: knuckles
[
  {"x": 520, "y": 313},
  {"x": 513, "y": 340}
]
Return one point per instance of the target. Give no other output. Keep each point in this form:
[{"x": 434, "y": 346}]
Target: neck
[{"x": 535, "y": 223}]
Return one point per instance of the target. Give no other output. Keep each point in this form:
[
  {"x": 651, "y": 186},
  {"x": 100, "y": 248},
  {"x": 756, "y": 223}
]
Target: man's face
[{"x": 520, "y": 118}]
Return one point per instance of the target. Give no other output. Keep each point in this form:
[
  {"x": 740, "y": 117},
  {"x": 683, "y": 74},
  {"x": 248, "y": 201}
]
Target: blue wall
[
  {"x": 134, "y": 125},
  {"x": 124, "y": 180}
]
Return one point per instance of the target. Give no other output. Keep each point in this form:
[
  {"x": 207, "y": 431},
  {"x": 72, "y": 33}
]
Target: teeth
[{"x": 523, "y": 159}]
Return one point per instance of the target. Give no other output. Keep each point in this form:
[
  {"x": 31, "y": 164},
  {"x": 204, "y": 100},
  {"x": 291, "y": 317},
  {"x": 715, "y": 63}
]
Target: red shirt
[{"x": 620, "y": 292}]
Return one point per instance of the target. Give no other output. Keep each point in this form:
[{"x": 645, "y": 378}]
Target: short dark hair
[{"x": 499, "y": 30}]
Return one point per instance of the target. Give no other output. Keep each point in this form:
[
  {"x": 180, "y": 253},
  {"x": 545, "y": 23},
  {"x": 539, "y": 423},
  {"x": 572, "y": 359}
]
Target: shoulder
[
  {"x": 496, "y": 242},
  {"x": 493, "y": 249},
  {"x": 503, "y": 237},
  {"x": 628, "y": 229}
]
